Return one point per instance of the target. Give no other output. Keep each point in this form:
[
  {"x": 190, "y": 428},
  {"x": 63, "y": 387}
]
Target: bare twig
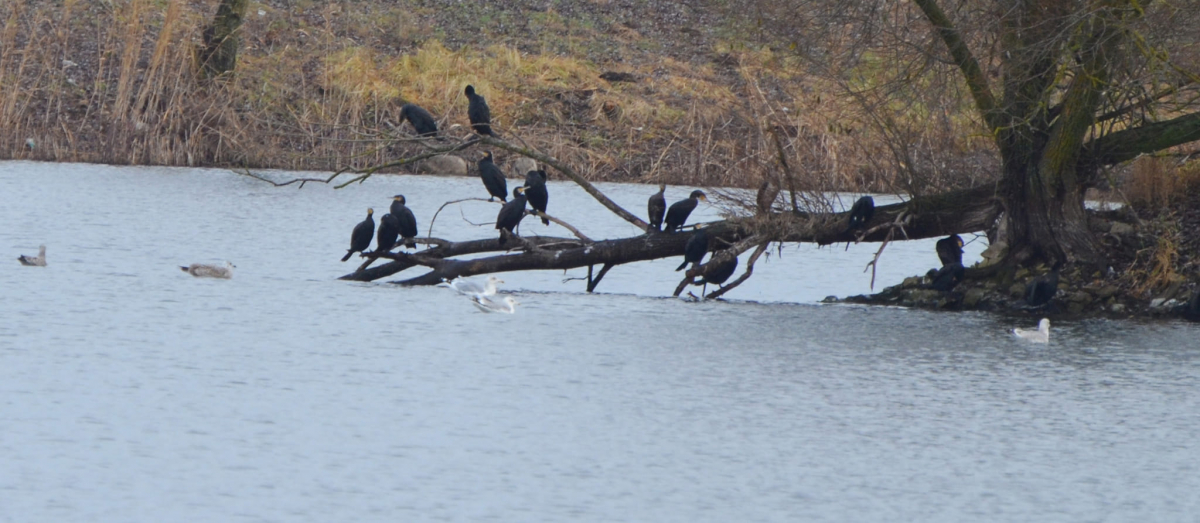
[
  {"x": 439, "y": 211},
  {"x": 569, "y": 173},
  {"x": 898, "y": 223},
  {"x": 565, "y": 225}
]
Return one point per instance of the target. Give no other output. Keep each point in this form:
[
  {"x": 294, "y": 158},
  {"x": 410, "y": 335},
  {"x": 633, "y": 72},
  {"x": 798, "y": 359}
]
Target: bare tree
[{"x": 1064, "y": 88}]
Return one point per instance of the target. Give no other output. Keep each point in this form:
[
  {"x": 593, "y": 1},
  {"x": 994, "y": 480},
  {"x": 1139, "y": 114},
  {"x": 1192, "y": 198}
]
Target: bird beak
[
  {"x": 703, "y": 198},
  {"x": 960, "y": 243}
]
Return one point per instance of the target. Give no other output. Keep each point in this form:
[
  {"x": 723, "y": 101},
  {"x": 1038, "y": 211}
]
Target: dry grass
[
  {"x": 1159, "y": 183},
  {"x": 319, "y": 86}
]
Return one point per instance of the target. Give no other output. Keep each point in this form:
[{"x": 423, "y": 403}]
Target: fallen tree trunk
[{"x": 963, "y": 211}]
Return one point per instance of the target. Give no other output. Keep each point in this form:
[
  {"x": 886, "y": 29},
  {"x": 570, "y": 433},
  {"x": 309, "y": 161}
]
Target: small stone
[
  {"x": 973, "y": 297},
  {"x": 1079, "y": 297},
  {"x": 444, "y": 164},
  {"x": 911, "y": 281},
  {"x": 521, "y": 166},
  {"x": 1017, "y": 289},
  {"x": 994, "y": 253},
  {"x": 1118, "y": 307},
  {"x": 1157, "y": 302},
  {"x": 1120, "y": 229},
  {"x": 1021, "y": 274},
  {"x": 1075, "y": 307},
  {"x": 830, "y": 299},
  {"x": 1105, "y": 292}
]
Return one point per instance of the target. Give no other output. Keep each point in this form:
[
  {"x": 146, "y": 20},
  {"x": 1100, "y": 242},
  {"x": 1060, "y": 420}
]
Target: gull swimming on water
[
  {"x": 1041, "y": 335},
  {"x": 34, "y": 261},
  {"x": 485, "y": 304},
  {"x": 207, "y": 270},
  {"x": 469, "y": 287}
]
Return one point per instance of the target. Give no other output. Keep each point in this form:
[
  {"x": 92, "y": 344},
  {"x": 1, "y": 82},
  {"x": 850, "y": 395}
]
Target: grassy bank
[{"x": 319, "y": 86}]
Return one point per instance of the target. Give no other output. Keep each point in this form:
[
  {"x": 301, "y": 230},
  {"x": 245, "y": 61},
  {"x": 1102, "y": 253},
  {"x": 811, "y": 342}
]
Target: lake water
[{"x": 130, "y": 391}]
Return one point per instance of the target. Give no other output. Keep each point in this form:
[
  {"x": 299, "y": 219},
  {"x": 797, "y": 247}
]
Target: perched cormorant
[
  {"x": 205, "y": 270},
  {"x": 34, "y": 261},
  {"x": 478, "y": 112},
  {"x": 486, "y": 304},
  {"x": 511, "y": 214},
  {"x": 948, "y": 277},
  {"x": 420, "y": 119},
  {"x": 389, "y": 230},
  {"x": 949, "y": 250},
  {"x": 861, "y": 212},
  {"x": 657, "y": 207},
  {"x": 535, "y": 192},
  {"x": 1041, "y": 335},
  {"x": 405, "y": 219},
  {"x": 492, "y": 178},
  {"x": 695, "y": 249},
  {"x": 360, "y": 239},
  {"x": 677, "y": 215},
  {"x": 1039, "y": 291},
  {"x": 718, "y": 272}
]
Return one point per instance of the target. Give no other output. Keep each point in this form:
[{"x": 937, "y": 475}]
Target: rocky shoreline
[{"x": 1079, "y": 294}]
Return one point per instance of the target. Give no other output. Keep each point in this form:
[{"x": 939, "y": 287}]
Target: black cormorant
[
  {"x": 677, "y": 215},
  {"x": 492, "y": 178},
  {"x": 478, "y": 112},
  {"x": 511, "y": 214},
  {"x": 1039, "y": 291},
  {"x": 405, "y": 219},
  {"x": 389, "y": 229},
  {"x": 360, "y": 239},
  {"x": 861, "y": 212},
  {"x": 657, "y": 207},
  {"x": 535, "y": 192},
  {"x": 949, "y": 250},
  {"x": 420, "y": 119},
  {"x": 718, "y": 272},
  {"x": 948, "y": 277},
  {"x": 694, "y": 251}
]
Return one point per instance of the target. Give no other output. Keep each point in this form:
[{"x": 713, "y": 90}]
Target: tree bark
[
  {"x": 938, "y": 215},
  {"x": 219, "y": 55}
]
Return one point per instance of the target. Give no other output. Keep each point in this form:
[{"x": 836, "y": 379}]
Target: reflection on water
[{"x": 136, "y": 392}]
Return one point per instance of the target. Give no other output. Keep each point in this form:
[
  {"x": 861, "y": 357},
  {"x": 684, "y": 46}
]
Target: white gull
[{"x": 1041, "y": 335}]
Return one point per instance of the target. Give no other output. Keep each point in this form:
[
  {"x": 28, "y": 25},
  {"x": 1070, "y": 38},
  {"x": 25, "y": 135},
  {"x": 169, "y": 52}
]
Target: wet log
[{"x": 955, "y": 212}]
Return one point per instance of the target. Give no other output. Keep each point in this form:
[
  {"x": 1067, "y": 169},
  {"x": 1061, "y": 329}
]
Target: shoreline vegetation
[
  {"x": 665, "y": 93},
  {"x": 656, "y": 95}
]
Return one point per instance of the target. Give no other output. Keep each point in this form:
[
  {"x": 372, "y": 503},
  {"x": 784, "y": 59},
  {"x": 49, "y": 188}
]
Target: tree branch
[
  {"x": 1127, "y": 144},
  {"x": 569, "y": 173},
  {"x": 976, "y": 80}
]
